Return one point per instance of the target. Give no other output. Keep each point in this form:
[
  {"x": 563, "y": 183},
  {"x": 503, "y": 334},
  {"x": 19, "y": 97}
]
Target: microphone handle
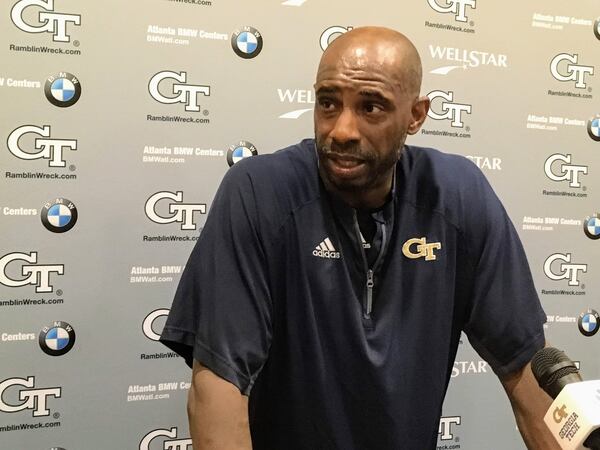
[{"x": 593, "y": 440}]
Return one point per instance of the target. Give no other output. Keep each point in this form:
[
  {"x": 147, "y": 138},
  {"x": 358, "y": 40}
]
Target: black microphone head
[{"x": 553, "y": 370}]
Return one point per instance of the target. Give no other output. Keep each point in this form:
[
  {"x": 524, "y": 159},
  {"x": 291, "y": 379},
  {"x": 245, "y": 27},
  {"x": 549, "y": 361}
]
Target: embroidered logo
[
  {"x": 326, "y": 250},
  {"x": 423, "y": 249}
]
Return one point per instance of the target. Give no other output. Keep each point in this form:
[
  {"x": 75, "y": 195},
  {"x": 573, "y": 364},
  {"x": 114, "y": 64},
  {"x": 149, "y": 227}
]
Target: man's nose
[{"x": 346, "y": 127}]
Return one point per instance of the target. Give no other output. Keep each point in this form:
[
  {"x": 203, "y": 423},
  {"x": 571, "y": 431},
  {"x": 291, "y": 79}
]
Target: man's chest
[{"x": 323, "y": 270}]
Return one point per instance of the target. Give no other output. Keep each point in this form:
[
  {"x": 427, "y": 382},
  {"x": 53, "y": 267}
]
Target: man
[{"x": 323, "y": 304}]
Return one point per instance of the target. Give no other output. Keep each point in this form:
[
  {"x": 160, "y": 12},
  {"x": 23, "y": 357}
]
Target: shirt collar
[{"x": 344, "y": 211}]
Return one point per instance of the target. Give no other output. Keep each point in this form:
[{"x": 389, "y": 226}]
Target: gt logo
[
  {"x": 451, "y": 111},
  {"x": 573, "y": 71},
  {"x": 51, "y": 22},
  {"x": 567, "y": 271},
  {"x": 34, "y": 399},
  {"x": 185, "y": 93},
  {"x": 560, "y": 413},
  {"x": 182, "y": 212},
  {"x": 175, "y": 444},
  {"x": 38, "y": 275},
  {"x": 445, "y": 428},
  {"x": 456, "y": 7},
  {"x": 566, "y": 172},
  {"x": 149, "y": 321},
  {"x": 423, "y": 249},
  {"x": 51, "y": 149},
  {"x": 326, "y": 36}
]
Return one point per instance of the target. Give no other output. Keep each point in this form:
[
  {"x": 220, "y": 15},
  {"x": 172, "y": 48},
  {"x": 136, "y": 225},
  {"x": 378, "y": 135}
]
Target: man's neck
[{"x": 373, "y": 198}]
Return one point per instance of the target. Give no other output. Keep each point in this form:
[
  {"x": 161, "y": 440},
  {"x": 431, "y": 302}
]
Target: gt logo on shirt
[
  {"x": 181, "y": 212},
  {"x": 566, "y": 271},
  {"x": 33, "y": 398},
  {"x": 445, "y": 428},
  {"x": 51, "y": 22},
  {"x": 147, "y": 328},
  {"x": 566, "y": 171},
  {"x": 573, "y": 71},
  {"x": 456, "y": 7},
  {"x": 36, "y": 275},
  {"x": 184, "y": 93},
  {"x": 450, "y": 111},
  {"x": 51, "y": 149},
  {"x": 423, "y": 249},
  {"x": 173, "y": 444}
]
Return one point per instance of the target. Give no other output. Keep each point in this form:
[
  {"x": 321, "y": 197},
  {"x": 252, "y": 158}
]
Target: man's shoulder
[
  {"x": 283, "y": 179},
  {"x": 291, "y": 162},
  {"x": 447, "y": 183},
  {"x": 440, "y": 163},
  {"x": 426, "y": 167}
]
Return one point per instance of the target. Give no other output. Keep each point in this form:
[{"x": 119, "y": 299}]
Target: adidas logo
[{"x": 326, "y": 250}]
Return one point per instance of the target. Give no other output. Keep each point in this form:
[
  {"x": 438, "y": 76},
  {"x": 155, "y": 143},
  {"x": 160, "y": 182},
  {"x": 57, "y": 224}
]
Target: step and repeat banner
[{"x": 118, "y": 121}]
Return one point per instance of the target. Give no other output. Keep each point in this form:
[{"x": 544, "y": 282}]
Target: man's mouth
[
  {"x": 344, "y": 166},
  {"x": 345, "y": 161}
]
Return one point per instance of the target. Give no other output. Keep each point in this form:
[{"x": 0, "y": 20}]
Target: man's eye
[
  {"x": 325, "y": 103},
  {"x": 372, "y": 108}
]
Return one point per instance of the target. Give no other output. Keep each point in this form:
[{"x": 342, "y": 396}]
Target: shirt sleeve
[
  {"x": 221, "y": 314},
  {"x": 505, "y": 320}
]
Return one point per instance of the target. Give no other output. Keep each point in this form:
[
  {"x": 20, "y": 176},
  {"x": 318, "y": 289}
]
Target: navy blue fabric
[{"x": 258, "y": 306}]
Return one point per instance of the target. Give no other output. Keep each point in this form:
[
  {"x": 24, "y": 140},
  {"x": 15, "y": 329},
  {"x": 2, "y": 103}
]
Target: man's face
[{"x": 362, "y": 112}]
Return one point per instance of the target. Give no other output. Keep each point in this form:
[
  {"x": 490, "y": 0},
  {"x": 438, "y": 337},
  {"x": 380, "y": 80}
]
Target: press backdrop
[{"x": 119, "y": 119}]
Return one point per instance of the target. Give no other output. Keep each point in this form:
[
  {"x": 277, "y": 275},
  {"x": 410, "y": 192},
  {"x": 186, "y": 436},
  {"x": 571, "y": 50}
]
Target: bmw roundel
[
  {"x": 589, "y": 322},
  {"x": 62, "y": 89},
  {"x": 597, "y": 27},
  {"x": 239, "y": 151},
  {"x": 593, "y": 128},
  {"x": 591, "y": 226},
  {"x": 59, "y": 215},
  {"x": 246, "y": 42},
  {"x": 57, "y": 339}
]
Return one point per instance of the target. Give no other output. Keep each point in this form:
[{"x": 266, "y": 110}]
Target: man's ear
[{"x": 419, "y": 114}]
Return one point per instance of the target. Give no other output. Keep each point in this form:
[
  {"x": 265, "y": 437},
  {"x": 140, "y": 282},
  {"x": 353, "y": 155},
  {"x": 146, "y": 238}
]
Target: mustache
[{"x": 348, "y": 150}]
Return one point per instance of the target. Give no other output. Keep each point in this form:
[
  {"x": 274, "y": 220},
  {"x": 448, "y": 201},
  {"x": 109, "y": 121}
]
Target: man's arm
[
  {"x": 529, "y": 403},
  {"x": 217, "y": 412}
]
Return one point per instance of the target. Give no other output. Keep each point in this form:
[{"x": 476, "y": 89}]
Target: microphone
[{"x": 574, "y": 416}]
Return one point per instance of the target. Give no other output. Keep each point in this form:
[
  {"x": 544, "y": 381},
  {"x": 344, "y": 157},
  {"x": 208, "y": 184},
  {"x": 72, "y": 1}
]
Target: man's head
[{"x": 367, "y": 101}]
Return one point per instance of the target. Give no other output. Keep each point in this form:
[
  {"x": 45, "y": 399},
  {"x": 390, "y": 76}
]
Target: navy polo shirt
[{"x": 279, "y": 299}]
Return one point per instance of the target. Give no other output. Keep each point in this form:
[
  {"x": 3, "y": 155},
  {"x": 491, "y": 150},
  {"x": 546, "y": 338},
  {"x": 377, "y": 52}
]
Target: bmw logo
[
  {"x": 62, "y": 89},
  {"x": 246, "y": 42},
  {"x": 591, "y": 226},
  {"x": 589, "y": 322},
  {"x": 239, "y": 151},
  {"x": 597, "y": 28},
  {"x": 57, "y": 339},
  {"x": 593, "y": 128},
  {"x": 59, "y": 215}
]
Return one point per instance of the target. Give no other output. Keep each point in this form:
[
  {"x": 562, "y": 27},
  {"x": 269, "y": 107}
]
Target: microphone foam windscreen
[{"x": 544, "y": 366}]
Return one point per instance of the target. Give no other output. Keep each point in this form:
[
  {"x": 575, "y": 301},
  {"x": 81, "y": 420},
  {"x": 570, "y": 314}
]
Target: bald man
[{"x": 324, "y": 301}]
